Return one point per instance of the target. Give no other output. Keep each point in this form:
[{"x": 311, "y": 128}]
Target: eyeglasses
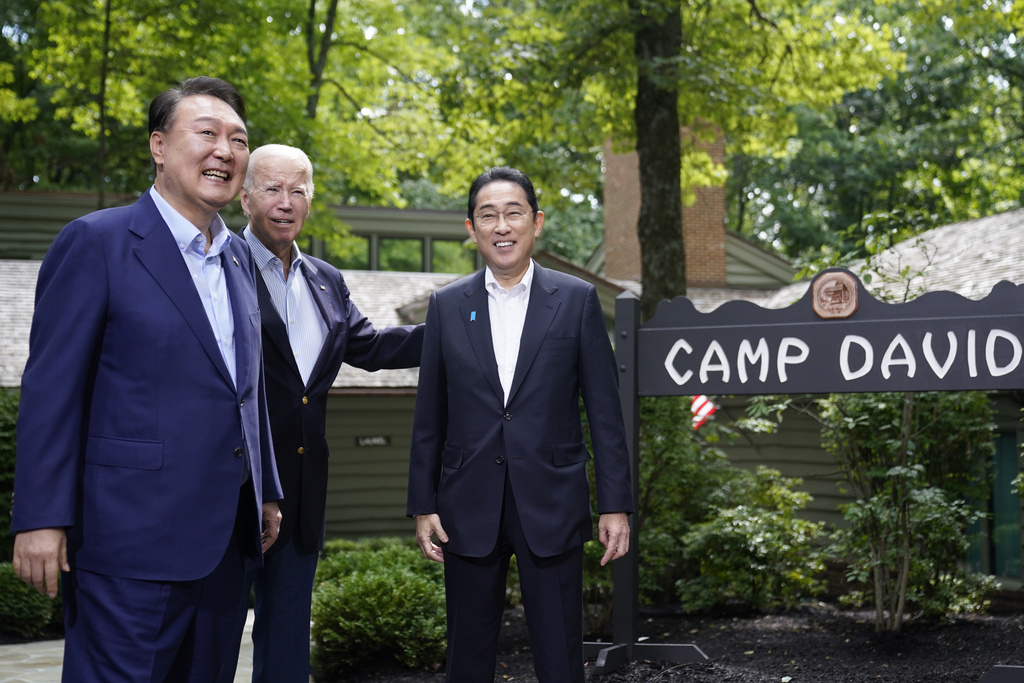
[{"x": 513, "y": 217}]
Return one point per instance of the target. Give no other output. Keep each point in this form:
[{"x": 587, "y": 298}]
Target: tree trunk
[
  {"x": 101, "y": 163},
  {"x": 316, "y": 53},
  {"x": 657, "y": 32}
]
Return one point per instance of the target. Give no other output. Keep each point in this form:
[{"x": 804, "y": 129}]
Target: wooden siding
[
  {"x": 748, "y": 266},
  {"x": 29, "y": 221},
  {"x": 795, "y": 451},
  {"x": 366, "y": 486}
]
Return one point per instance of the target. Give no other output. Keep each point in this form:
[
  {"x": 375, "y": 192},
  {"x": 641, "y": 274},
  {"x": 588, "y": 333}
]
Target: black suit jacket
[
  {"x": 298, "y": 412},
  {"x": 464, "y": 436}
]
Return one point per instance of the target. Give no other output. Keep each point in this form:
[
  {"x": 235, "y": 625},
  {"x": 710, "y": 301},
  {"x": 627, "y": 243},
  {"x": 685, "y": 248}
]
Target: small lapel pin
[
  {"x": 235, "y": 260},
  {"x": 322, "y": 288},
  {"x": 472, "y": 316}
]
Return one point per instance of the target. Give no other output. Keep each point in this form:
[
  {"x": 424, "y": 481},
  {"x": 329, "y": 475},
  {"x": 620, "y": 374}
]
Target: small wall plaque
[{"x": 373, "y": 441}]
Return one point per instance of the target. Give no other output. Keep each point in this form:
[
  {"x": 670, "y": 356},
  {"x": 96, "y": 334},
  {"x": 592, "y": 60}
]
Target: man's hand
[
  {"x": 427, "y": 526},
  {"x": 613, "y": 532},
  {"x": 271, "y": 524},
  {"x": 39, "y": 557}
]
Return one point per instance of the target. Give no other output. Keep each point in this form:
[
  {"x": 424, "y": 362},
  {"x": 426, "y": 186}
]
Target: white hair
[{"x": 281, "y": 151}]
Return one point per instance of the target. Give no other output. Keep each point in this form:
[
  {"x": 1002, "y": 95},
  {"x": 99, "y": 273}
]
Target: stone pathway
[{"x": 41, "y": 662}]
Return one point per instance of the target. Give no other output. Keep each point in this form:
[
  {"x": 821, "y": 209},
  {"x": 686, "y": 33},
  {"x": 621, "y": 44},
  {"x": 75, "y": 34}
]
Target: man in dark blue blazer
[
  {"x": 498, "y": 464},
  {"x": 310, "y": 325},
  {"x": 144, "y": 462}
]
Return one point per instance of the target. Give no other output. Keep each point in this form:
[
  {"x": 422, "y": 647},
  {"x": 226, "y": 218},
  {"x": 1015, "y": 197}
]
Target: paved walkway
[{"x": 41, "y": 662}]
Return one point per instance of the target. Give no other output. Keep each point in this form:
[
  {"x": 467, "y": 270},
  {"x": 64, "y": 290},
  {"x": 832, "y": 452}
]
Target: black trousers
[{"x": 552, "y": 590}]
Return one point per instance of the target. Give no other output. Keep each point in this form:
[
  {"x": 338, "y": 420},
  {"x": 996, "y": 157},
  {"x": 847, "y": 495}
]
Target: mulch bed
[{"x": 815, "y": 644}]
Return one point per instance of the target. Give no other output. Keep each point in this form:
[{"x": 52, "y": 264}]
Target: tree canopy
[
  {"x": 935, "y": 142},
  {"x": 839, "y": 115}
]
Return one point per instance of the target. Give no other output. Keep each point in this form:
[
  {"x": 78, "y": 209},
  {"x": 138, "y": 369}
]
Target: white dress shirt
[
  {"x": 293, "y": 301},
  {"x": 507, "y": 310},
  {"x": 207, "y": 271}
]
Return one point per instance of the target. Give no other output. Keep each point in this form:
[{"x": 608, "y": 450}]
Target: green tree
[
  {"x": 912, "y": 461},
  {"x": 935, "y": 142}
]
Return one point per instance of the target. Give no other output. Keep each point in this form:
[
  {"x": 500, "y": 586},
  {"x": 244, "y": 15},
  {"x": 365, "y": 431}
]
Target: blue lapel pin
[{"x": 472, "y": 316}]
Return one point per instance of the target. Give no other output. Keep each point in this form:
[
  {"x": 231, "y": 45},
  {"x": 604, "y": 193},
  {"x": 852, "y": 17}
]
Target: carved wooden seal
[{"x": 835, "y": 295}]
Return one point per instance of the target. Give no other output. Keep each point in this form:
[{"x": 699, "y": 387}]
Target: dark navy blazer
[
  {"x": 464, "y": 436},
  {"x": 298, "y": 412},
  {"x": 131, "y": 434}
]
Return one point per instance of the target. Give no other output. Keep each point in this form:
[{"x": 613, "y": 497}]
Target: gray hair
[{"x": 277, "y": 150}]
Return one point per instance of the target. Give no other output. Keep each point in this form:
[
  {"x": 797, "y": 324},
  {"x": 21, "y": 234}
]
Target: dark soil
[{"x": 814, "y": 644}]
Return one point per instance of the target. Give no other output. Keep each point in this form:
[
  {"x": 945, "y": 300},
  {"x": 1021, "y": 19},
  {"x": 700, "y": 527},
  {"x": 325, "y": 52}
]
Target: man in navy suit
[
  {"x": 498, "y": 465},
  {"x": 310, "y": 325},
  {"x": 144, "y": 462}
]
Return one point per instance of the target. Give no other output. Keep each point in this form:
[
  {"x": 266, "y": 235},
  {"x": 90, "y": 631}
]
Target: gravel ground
[{"x": 816, "y": 644}]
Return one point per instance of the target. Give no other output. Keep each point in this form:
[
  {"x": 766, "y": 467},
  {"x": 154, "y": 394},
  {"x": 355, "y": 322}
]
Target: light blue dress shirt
[
  {"x": 294, "y": 302},
  {"x": 207, "y": 271}
]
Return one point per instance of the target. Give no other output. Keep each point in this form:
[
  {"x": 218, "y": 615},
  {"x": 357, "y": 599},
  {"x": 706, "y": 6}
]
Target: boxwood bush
[
  {"x": 24, "y": 613},
  {"x": 374, "y": 601}
]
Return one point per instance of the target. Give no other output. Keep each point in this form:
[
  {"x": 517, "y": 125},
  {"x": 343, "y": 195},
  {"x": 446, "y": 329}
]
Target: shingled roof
[{"x": 969, "y": 258}]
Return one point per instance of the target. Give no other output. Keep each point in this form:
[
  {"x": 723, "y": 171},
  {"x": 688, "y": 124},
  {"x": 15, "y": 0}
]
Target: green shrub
[
  {"x": 24, "y": 613},
  {"x": 344, "y": 557},
  {"x": 385, "y": 614},
  {"x": 759, "y": 554},
  {"x": 377, "y": 600},
  {"x": 8, "y": 421}
]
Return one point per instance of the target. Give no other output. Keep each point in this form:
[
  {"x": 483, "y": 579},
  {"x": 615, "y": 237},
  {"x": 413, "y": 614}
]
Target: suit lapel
[
  {"x": 539, "y": 314},
  {"x": 476, "y": 318},
  {"x": 243, "y": 307},
  {"x": 273, "y": 324},
  {"x": 160, "y": 256}
]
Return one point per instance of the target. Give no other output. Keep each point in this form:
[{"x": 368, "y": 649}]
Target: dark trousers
[
  {"x": 552, "y": 601},
  {"x": 280, "y": 631},
  {"x": 128, "y": 630}
]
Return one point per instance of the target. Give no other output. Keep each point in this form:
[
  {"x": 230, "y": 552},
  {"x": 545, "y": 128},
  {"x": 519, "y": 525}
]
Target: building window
[
  {"x": 452, "y": 256},
  {"x": 401, "y": 254},
  {"x": 996, "y": 541}
]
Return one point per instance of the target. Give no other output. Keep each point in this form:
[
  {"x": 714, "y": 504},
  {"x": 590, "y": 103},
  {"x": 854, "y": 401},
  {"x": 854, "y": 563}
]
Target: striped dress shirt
[{"x": 294, "y": 302}]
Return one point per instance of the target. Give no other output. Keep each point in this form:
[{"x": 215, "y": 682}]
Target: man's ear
[
  {"x": 471, "y": 230},
  {"x": 156, "y": 147}
]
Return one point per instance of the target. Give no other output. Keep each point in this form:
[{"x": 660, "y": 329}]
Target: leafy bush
[
  {"x": 759, "y": 553},
  {"x": 912, "y": 460},
  {"x": 24, "y": 613},
  {"x": 686, "y": 486},
  {"x": 377, "y": 600},
  {"x": 932, "y": 547},
  {"x": 8, "y": 422}
]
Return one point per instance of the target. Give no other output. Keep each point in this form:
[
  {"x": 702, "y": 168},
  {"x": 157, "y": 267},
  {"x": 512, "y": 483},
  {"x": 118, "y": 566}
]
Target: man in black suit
[
  {"x": 498, "y": 465},
  {"x": 310, "y": 325}
]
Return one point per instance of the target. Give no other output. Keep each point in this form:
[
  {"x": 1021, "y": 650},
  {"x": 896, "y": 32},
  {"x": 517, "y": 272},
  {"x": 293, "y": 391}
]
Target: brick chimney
[{"x": 703, "y": 223}]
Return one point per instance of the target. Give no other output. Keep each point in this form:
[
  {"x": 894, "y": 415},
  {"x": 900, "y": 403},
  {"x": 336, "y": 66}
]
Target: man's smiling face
[
  {"x": 505, "y": 230},
  {"x": 201, "y": 158}
]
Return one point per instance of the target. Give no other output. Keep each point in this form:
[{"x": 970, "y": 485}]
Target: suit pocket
[
  {"x": 452, "y": 457},
  {"x": 109, "y": 452},
  {"x": 563, "y": 454}
]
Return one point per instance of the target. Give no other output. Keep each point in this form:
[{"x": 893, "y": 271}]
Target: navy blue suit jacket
[
  {"x": 131, "y": 434},
  {"x": 298, "y": 411},
  {"x": 464, "y": 436}
]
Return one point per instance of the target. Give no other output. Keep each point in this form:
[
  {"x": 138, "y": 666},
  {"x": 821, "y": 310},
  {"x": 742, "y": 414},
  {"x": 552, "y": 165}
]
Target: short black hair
[
  {"x": 502, "y": 173},
  {"x": 165, "y": 105}
]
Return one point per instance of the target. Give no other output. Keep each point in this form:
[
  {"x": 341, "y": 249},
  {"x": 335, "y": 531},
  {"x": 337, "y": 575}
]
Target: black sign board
[{"x": 836, "y": 339}]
